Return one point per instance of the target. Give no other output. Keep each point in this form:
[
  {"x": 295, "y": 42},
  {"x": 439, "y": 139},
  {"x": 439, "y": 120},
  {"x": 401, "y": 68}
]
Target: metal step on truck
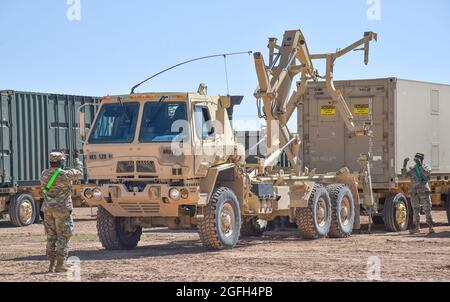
[
  {"x": 33, "y": 125},
  {"x": 171, "y": 159}
]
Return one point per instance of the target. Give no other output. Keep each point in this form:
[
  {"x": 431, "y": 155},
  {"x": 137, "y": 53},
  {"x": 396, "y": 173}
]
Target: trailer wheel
[
  {"x": 314, "y": 222},
  {"x": 253, "y": 226},
  {"x": 112, "y": 233},
  {"x": 397, "y": 213},
  {"x": 221, "y": 225},
  {"x": 343, "y": 211},
  {"x": 22, "y": 210}
]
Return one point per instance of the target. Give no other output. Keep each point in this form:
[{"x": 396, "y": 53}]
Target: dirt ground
[{"x": 165, "y": 255}]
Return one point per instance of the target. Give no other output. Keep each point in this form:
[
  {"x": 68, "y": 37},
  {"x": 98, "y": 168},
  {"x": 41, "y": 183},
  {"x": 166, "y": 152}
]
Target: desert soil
[{"x": 165, "y": 255}]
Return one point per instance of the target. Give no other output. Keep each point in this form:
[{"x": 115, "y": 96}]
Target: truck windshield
[
  {"x": 116, "y": 124},
  {"x": 158, "y": 122}
]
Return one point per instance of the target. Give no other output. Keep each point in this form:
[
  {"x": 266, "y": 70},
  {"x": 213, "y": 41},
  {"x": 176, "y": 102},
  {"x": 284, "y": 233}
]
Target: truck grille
[
  {"x": 140, "y": 209},
  {"x": 146, "y": 167},
  {"x": 125, "y": 167}
]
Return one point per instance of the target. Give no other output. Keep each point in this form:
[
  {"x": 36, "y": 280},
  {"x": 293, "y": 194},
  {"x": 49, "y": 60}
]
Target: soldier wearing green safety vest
[
  {"x": 56, "y": 185},
  {"x": 420, "y": 190}
]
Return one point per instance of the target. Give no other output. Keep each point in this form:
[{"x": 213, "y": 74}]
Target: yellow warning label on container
[
  {"x": 361, "y": 109},
  {"x": 328, "y": 110}
]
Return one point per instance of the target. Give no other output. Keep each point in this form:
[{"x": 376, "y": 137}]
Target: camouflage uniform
[
  {"x": 57, "y": 207},
  {"x": 419, "y": 175}
]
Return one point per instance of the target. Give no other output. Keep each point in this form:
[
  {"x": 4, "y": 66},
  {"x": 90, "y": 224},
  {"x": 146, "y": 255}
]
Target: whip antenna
[{"x": 187, "y": 62}]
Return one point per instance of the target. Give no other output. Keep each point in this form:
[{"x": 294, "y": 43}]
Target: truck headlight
[
  {"x": 97, "y": 194},
  {"x": 175, "y": 194},
  {"x": 88, "y": 193}
]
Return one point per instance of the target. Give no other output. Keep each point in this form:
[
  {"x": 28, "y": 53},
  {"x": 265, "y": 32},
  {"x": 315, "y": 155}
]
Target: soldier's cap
[
  {"x": 56, "y": 157},
  {"x": 420, "y": 156}
]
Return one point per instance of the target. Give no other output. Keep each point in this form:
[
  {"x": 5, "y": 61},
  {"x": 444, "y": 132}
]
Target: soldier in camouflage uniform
[
  {"x": 57, "y": 208},
  {"x": 420, "y": 190}
]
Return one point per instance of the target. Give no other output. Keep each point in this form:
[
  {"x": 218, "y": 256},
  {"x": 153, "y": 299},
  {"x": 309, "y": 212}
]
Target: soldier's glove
[
  {"x": 405, "y": 163},
  {"x": 75, "y": 153}
]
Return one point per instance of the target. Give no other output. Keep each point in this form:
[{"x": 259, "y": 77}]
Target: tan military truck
[{"x": 171, "y": 159}]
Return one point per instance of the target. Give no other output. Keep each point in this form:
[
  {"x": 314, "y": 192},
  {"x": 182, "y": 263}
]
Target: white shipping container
[{"x": 408, "y": 117}]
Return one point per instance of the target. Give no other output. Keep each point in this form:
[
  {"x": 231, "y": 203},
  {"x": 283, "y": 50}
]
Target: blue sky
[{"x": 118, "y": 43}]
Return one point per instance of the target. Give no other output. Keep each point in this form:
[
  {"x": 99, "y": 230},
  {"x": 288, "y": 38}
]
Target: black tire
[
  {"x": 209, "y": 227},
  {"x": 17, "y": 205},
  {"x": 306, "y": 218},
  {"x": 341, "y": 200},
  {"x": 253, "y": 227},
  {"x": 112, "y": 234},
  {"x": 391, "y": 207}
]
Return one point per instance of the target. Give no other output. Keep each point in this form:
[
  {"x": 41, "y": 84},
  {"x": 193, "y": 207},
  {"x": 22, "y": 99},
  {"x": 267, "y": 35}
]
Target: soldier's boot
[
  {"x": 52, "y": 266},
  {"x": 416, "y": 230},
  {"x": 431, "y": 229},
  {"x": 61, "y": 265}
]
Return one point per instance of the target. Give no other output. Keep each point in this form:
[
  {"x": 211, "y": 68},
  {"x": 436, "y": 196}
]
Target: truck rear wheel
[
  {"x": 314, "y": 222},
  {"x": 343, "y": 211},
  {"x": 22, "y": 210},
  {"x": 221, "y": 223},
  {"x": 253, "y": 226},
  {"x": 397, "y": 213},
  {"x": 113, "y": 234}
]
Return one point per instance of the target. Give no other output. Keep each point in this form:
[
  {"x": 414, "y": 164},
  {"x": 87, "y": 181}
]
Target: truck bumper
[{"x": 153, "y": 201}]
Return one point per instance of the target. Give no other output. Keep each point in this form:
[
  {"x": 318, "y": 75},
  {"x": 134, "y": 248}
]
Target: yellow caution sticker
[
  {"x": 328, "y": 110},
  {"x": 361, "y": 109}
]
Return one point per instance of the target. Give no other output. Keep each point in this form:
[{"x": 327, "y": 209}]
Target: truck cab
[{"x": 154, "y": 157}]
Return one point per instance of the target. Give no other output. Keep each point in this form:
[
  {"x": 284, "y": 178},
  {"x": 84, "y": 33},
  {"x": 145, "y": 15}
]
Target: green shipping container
[{"x": 32, "y": 126}]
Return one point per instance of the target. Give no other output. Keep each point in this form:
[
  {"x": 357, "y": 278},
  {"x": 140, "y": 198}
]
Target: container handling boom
[{"x": 286, "y": 61}]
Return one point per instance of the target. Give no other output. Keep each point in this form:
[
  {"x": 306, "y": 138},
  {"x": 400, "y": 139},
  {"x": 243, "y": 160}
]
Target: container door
[
  {"x": 323, "y": 132},
  {"x": 5, "y": 152},
  {"x": 362, "y": 109},
  {"x": 59, "y": 119}
]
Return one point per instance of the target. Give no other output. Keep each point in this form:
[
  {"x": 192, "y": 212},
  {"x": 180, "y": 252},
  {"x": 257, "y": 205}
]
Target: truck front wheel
[
  {"x": 113, "y": 233},
  {"x": 22, "y": 210},
  {"x": 314, "y": 222},
  {"x": 220, "y": 226}
]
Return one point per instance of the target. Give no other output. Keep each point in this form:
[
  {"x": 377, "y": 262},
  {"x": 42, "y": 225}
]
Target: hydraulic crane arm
[
  {"x": 286, "y": 61},
  {"x": 338, "y": 98}
]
